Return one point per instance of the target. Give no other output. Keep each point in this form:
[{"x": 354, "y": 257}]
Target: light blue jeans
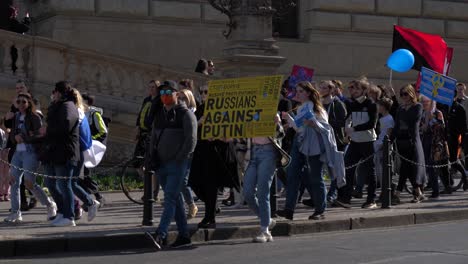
[
  {"x": 28, "y": 161},
  {"x": 77, "y": 190},
  {"x": 172, "y": 176},
  {"x": 257, "y": 181}
]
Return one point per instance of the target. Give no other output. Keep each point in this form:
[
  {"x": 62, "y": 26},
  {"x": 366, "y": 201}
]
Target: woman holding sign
[{"x": 308, "y": 146}]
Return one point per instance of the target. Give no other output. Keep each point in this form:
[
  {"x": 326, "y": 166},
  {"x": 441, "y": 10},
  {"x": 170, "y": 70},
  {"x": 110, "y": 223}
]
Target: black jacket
[
  {"x": 337, "y": 118},
  {"x": 148, "y": 111},
  {"x": 363, "y": 118},
  {"x": 32, "y": 123},
  {"x": 62, "y": 136},
  {"x": 456, "y": 118}
]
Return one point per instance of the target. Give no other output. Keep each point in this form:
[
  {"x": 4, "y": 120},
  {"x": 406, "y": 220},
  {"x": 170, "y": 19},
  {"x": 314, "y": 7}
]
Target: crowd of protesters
[
  {"x": 58, "y": 142},
  {"x": 341, "y": 132}
]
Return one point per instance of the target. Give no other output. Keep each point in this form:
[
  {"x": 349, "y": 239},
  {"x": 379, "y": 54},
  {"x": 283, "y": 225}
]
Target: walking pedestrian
[
  {"x": 174, "y": 137},
  {"x": 258, "y": 178},
  {"x": 61, "y": 152},
  {"x": 408, "y": 142},
  {"x": 27, "y": 139}
]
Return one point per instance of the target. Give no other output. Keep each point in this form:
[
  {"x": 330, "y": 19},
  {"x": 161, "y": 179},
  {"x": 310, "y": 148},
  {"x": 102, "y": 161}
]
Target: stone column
[{"x": 250, "y": 49}]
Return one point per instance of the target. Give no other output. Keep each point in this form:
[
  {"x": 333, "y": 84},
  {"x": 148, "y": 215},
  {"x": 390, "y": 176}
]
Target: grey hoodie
[{"x": 179, "y": 133}]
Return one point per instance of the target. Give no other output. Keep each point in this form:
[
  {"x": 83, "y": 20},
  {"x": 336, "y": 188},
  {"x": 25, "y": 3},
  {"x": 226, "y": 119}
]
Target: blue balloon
[{"x": 401, "y": 60}]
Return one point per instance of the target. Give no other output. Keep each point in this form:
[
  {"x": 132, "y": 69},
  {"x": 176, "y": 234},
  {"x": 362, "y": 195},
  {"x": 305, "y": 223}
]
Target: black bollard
[
  {"x": 148, "y": 200},
  {"x": 387, "y": 174},
  {"x": 273, "y": 198}
]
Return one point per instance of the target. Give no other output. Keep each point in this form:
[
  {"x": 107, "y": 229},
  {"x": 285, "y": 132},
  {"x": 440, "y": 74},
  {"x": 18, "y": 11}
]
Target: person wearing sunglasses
[
  {"x": 20, "y": 87},
  {"x": 361, "y": 121},
  {"x": 25, "y": 134},
  {"x": 174, "y": 136},
  {"x": 408, "y": 141}
]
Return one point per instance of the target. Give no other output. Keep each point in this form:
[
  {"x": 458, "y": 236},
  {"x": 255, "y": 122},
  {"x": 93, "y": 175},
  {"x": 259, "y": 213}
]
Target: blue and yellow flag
[{"x": 437, "y": 87}]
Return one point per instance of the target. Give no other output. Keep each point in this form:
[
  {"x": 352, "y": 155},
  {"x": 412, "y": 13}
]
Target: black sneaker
[
  {"x": 343, "y": 204},
  {"x": 308, "y": 202},
  {"x": 317, "y": 216},
  {"x": 357, "y": 194},
  {"x": 101, "y": 200},
  {"x": 288, "y": 214},
  {"x": 32, "y": 203},
  {"x": 181, "y": 242},
  {"x": 369, "y": 205},
  {"x": 157, "y": 240}
]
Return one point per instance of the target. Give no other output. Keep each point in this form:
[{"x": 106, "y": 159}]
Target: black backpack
[{"x": 95, "y": 130}]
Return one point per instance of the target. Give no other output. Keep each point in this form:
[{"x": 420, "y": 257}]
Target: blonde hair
[
  {"x": 78, "y": 100},
  {"x": 190, "y": 98},
  {"x": 411, "y": 92}
]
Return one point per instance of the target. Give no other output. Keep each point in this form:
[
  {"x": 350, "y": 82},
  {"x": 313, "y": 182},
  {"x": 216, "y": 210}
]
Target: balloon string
[{"x": 391, "y": 77}]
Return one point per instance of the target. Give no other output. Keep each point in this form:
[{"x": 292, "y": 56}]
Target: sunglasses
[
  {"x": 166, "y": 92},
  {"x": 204, "y": 92},
  {"x": 403, "y": 94},
  {"x": 21, "y": 101}
]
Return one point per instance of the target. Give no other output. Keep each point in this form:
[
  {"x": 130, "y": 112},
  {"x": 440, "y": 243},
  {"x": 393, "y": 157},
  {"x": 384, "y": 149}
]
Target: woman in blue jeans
[
  {"x": 258, "y": 178},
  {"x": 25, "y": 134},
  {"x": 61, "y": 151},
  {"x": 306, "y": 151}
]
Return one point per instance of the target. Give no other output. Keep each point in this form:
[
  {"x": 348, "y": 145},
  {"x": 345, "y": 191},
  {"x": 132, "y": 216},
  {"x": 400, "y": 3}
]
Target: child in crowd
[
  {"x": 386, "y": 125},
  {"x": 4, "y": 169}
]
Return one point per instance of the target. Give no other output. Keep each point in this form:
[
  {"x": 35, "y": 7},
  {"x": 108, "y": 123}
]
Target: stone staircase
[{"x": 118, "y": 83}]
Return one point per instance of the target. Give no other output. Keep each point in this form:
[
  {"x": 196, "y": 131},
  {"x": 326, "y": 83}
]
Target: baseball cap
[{"x": 169, "y": 84}]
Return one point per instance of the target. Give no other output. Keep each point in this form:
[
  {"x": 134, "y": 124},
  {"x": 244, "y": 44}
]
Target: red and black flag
[{"x": 429, "y": 50}]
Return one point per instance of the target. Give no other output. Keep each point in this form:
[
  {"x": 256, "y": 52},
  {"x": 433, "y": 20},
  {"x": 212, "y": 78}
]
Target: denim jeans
[
  {"x": 172, "y": 176},
  {"x": 257, "y": 181},
  {"x": 61, "y": 189},
  {"x": 296, "y": 176},
  {"x": 28, "y": 161},
  {"x": 77, "y": 189},
  {"x": 314, "y": 173},
  {"x": 187, "y": 191}
]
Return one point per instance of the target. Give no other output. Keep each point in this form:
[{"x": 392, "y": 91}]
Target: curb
[{"x": 30, "y": 247}]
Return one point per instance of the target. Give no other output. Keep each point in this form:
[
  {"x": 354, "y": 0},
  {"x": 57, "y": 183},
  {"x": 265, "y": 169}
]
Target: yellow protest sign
[{"x": 242, "y": 107}]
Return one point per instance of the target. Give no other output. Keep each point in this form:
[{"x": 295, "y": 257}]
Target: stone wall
[{"x": 339, "y": 38}]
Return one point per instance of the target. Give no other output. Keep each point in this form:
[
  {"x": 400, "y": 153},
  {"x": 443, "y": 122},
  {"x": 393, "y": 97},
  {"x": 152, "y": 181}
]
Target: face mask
[{"x": 167, "y": 99}]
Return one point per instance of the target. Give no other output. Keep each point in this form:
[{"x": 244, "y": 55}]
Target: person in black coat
[
  {"x": 408, "y": 142},
  {"x": 61, "y": 151},
  {"x": 213, "y": 166}
]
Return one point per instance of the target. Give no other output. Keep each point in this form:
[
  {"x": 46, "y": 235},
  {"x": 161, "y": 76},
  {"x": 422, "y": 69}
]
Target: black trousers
[
  {"x": 356, "y": 152},
  {"x": 209, "y": 195}
]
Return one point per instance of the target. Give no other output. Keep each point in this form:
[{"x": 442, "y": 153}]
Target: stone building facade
[
  {"x": 113, "y": 47},
  {"x": 339, "y": 38}
]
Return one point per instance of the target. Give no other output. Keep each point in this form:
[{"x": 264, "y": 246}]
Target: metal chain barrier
[
  {"x": 37, "y": 174},
  {"x": 423, "y": 165},
  {"x": 360, "y": 162}
]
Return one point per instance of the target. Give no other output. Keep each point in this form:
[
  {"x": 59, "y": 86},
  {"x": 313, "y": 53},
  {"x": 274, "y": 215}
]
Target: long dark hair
[
  {"x": 314, "y": 96},
  {"x": 31, "y": 104},
  {"x": 202, "y": 66}
]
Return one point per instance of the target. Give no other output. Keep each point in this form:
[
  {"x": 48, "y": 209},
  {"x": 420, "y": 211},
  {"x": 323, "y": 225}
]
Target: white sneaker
[
  {"x": 263, "y": 237},
  {"x": 51, "y": 210},
  {"x": 14, "y": 218},
  {"x": 57, "y": 217},
  {"x": 64, "y": 222},
  {"x": 92, "y": 210},
  {"x": 272, "y": 224}
]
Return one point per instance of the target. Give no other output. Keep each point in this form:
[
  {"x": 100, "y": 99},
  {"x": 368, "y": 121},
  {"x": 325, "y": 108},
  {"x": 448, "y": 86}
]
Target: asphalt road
[{"x": 445, "y": 243}]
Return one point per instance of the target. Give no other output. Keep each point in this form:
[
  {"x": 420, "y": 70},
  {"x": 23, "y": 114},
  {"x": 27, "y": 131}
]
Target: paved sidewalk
[{"x": 118, "y": 224}]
